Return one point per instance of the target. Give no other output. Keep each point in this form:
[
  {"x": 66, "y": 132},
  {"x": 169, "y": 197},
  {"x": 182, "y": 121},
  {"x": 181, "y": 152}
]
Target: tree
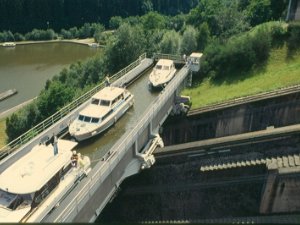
[
  {"x": 203, "y": 36},
  {"x": 153, "y": 20},
  {"x": 115, "y": 22},
  {"x": 189, "y": 41},
  {"x": 129, "y": 42},
  {"x": 170, "y": 43},
  {"x": 54, "y": 98},
  {"x": 259, "y": 11}
]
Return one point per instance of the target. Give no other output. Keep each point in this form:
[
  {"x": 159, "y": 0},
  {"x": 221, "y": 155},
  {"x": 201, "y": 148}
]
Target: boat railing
[
  {"x": 42, "y": 126},
  {"x": 175, "y": 58}
]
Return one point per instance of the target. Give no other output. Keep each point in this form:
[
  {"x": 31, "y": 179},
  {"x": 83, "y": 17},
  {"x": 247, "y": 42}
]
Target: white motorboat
[
  {"x": 36, "y": 183},
  {"x": 9, "y": 44},
  {"x": 106, "y": 107},
  {"x": 162, "y": 73},
  {"x": 94, "y": 45}
]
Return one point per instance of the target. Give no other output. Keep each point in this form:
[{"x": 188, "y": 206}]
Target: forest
[
  {"x": 25, "y": 15},
  {"x": 219, "y": 28}
]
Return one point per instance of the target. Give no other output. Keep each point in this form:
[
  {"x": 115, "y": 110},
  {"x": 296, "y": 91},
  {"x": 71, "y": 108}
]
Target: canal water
[
  {"x": 27, "y": 67},
  {"x": 98, "y": 146}
]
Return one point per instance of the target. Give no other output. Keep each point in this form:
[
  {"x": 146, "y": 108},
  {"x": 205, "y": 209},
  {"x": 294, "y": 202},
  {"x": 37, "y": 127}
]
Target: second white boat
[
  {"x": 106, "y": 107},
  {"x": 162, "y": 73}
]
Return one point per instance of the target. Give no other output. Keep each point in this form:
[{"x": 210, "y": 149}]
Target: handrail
[
  {"x": 158, "y": 56},
  {"x": 121, "y": 146},
  {"x": 42, "y": 126}
]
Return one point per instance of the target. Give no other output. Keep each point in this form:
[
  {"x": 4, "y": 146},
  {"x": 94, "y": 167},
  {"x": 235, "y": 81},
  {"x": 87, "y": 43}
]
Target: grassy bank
[
  {"x": 3, "y": 136},
  {"x": 279, "y": 71}
]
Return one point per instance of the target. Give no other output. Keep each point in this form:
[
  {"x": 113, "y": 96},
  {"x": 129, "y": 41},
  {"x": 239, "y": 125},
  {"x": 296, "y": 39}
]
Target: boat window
[
  {"x": 107, "y": 114},
  {"x": 87, "y": 119},
  {"x": 95, "y": 101},
  {"x": 6, "y": 198},
  {"x": 114, "y": 101},
  {"x": 46, "y": 189},
  {"x": 104, "y": 103},
  {"x": 166, "y": 68},
  {"x": 159, "y": 67},
  {"x": 80, "y": 117},
  {"x": 95, "y": 120},
  {"x": 16, "y": 203}
]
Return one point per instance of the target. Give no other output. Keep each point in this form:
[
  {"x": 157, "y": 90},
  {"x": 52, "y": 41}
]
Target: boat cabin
[
  {"x": 164, "y": 64},
  {"x": 102, "y": 105},
  {"x": 30, "y": 180}
]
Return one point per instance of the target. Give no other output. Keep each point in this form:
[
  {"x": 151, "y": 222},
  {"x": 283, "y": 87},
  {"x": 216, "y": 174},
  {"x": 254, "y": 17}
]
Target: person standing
[
  {"x": 107, "y": 82},
  {"x": 55, "y": 147}
]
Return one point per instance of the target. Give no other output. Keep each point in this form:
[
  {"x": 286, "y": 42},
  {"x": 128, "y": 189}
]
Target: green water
[{"x": 27, "y": 67}]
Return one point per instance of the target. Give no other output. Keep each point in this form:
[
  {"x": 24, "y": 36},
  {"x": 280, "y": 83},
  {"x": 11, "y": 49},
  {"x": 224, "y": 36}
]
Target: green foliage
[
  {"x": 223, "y": 17},
  {"x": 37, "y": 35},
  {"x": 19, "y": 37},
  {"x": 24, "y": 15},
  {"x": 15, "y": 126},
  {"x": 153, "y": 20},
  {"x": 259, "y": 11},
  {"x": 6, "y": 36},
  {"x": 128, "y": 43},
  {"x": 203, "y": 36},
  {"x": 66, "y": 34},
  {"x": 240, "y": 54},
  {"x": 170, "y": 43},
  {"x": 115, "y": 22},
  {"x": 54, "y": 98},
  {"x": 177, "y": 22},
  {"x": 293, "y": 42},
  {"x": 189, "y": 41}
]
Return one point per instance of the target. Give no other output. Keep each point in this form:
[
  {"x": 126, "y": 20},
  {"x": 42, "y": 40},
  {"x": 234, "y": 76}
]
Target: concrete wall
[
  {"x": 179, "y": 191},
  {"x": 255, "y": 116}
]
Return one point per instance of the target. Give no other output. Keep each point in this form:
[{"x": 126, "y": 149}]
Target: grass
[
  {"x": 278, "y": 72},
  {"x": 3, "y": 136}
]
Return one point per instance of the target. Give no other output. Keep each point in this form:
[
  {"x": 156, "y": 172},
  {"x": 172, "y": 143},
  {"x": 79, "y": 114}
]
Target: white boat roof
[
  {"x": 96, "y": 111},
  {"x": 108, "y": 93},
  {"x": 165, "y": 62},
  {"x": 30, "y": 173},
  {"x": 196, "y": 55}
]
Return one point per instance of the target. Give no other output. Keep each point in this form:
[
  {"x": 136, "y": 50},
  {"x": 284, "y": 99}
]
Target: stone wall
[{"x": 277, "y": 112}]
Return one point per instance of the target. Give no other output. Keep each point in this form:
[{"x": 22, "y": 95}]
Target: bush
[
  {"x": 293, "y": 41},
  {"x": 6, "y": 36},
  {"x": 66, "y": 34},
  {"x": 239, "y": 54},
  {"x": 40, "y": 35},
  {"x": 19, "y": 37}
]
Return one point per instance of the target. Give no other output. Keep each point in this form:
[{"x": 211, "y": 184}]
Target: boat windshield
[
  {"x": 95, "y": 120},
  {"x": 159, "y": 67},
  {"x": 88, "y": 119},
  {"x": 6, "y": 198},
  {"x": 105, "y": 103},
  {"x": 14, "y": 201},
  {"x": 95, "y": 101},
  {"x": 166, "y": 68}
]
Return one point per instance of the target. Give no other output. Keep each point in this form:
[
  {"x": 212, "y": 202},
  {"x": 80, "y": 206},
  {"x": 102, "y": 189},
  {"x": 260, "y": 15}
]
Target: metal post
[{"x": 288, "y": 11}]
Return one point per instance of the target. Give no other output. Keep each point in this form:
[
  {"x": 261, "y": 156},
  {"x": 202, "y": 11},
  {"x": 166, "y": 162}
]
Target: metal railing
[
  {"x": 119, "y": 149},
  {"x": 177, "y": 58},
  {"x": 39, "y": 128}
]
